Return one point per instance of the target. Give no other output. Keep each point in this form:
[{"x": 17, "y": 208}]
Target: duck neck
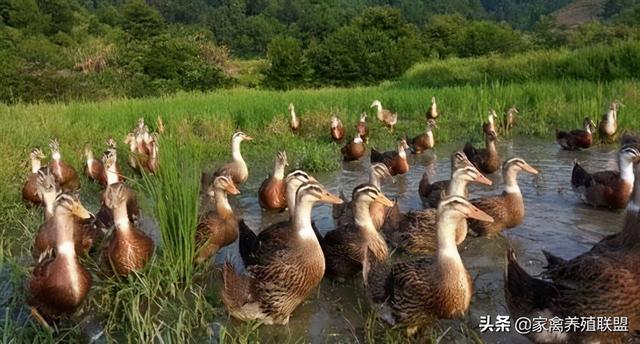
[
  {"x": 490, "y": 143},
  {"x": 35, "y": 165},
  {"x": 587, "y": 128},
  {"x": 49, "y": 199},
  {"x": 64, "y": 234},
  {"x": 292, "y": 111},
  {"x": 458, "y": 187},
  {"x": 222, "y": 203},
  {"x": 633, "y": 207},
  {"x": 278, "y": 170},
  {"x": 511, "y": 183},
  {"x": 374, "y": 179},
  {"x": 362, "y": 216},
  {"x": 55, "y": 155},
  {"x": 401, "y": 153},
  {"x": 612, "y": 114},
  {"x": 235, "y": 150},
  {"x": 447, "y": 248},
  {"x": 291, "y": 199},
  {"x": 302, "y": 220},
  {"x": 112, "y": 174},
  {"x": 626, "y": 171}
]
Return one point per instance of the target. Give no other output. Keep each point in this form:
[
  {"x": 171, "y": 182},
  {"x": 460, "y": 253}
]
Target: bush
[{"x": 287, "y": 66}]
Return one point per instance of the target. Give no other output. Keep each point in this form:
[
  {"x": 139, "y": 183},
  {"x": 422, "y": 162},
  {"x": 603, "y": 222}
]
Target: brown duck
[
  {"x": 59, "y": 283},
  {"x": 343, "y": 213},
  {"x": 252, "y": 249},
  {"x": 354, "y": 150},
  {"x": 385, "y": 116},
  {"x": 236, "y": 169},
  {"x": 220, "y": 228},
  {"x": 396, "y": 161},
  {"x": 424, "y": 141},
  {"x": 432, "y": 112},
  {"x": 608, "y": 126},
  {"x": 362, "y": 128},
  {"x": 129, "y": 249},
  {"x": 486, "y": 160},
  {"x": 337, "y": 129},
  {"x": 273, "y": 289},
  {"x": 346, "y": 245},
  {"x": 30, "y": 190},
  {"x": 65, "y": 175},
  {"x": 417, "y": 292},
  {"x": 94, "y": 169},
  {"x": 431, "y": 193},
  {"x": 578, "y": 138},
  {"x": 610, "y": 189},
  {"x": 416, "y": 232},
  {"x": 104, "y": 217},
  {"x": 272, "y": 192},
  {"x": 507, "y": 210}
]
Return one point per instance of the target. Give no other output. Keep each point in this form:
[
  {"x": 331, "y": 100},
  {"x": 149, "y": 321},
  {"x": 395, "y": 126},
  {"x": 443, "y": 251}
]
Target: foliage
[{"x": 287, "y": 65}]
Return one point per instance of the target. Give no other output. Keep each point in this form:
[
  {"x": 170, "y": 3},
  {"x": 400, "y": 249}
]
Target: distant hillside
[{"x": 579, "y": 12}]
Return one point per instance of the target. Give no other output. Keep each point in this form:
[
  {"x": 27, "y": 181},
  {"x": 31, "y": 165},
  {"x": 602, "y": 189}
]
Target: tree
[
  {"x": 140, "y": 21},
  {"x": 287, "y": 66}
]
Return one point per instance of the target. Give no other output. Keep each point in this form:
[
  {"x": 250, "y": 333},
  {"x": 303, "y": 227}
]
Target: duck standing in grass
[
  {"x": 354, "y": 150},
  {"x": 385, "y": 116},
  {"x": 432, "y": 112},
  {"x": 237, "y": 168},
  {"x": 610, "y": 189},
  {"x": 507, "y": 210},
  {"x": 337, "y": 129},
  {"x": 275, "y": 287},
  {"x": 424, "y": 141},
  {"x": 59, "y": 283},
  {"x": 362, "y": 128},
  {"x": 66, "y": 176},
  {"x": 104, "y": 217},
  {"x": 417, "y": 292},
  {"x": 129, "y": 249},
  {"x": 346, "y": 245},
  {"x": 295, "y": 121},
  {"x": 220, "y": 228},
  {"x": 396, "y": 161},
  {"x": 486, "y": 160},
  {"x": 510, "y": 120},
  {"x": 272, "y": 192},
  {"x": 95, "y": 168},
  {"x": 30, "y": 188},
  {"x": 578, "y": 138},
  {"x": 608, "y": 127}
]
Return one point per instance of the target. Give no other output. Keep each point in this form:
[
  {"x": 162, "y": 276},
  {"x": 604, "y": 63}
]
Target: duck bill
[
  {"x": 483, "y": 180},
  {"x": 248, "y": 138},
  {"x": 527, "y": 168},
  {"x": 83, "y": 213},
  {"x": 331, "y": 198},
  {"x": 313, "y": 180},
  {"x": 382, "y": 199},
  {"x": 232, "y": 189},
  {"x": 476, "y": 213}
]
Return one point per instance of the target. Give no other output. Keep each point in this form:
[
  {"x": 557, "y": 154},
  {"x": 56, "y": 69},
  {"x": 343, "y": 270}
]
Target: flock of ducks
[{"x": 426, "y": 280}]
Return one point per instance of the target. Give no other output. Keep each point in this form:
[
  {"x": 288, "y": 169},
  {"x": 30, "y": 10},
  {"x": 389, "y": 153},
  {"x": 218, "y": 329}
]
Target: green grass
[{"x": 170, "y": 302}]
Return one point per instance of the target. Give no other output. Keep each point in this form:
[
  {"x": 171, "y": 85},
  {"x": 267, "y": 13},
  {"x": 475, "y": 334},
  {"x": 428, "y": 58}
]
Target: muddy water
[{"x": 555, "y": 221}]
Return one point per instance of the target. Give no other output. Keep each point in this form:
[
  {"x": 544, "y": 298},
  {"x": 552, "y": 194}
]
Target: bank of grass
[
  {"x": 620, "y": 61},
  {"x": 155, "y": 305}
]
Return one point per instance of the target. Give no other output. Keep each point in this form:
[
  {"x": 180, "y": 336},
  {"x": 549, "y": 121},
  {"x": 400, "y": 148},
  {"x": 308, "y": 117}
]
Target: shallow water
[{"x": 555, "y": 221}]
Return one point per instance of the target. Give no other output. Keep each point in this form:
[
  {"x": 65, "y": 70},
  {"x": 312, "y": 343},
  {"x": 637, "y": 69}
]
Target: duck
[
  {"x": 507, "y": 210},
  {"x": 251, "y": 247},
  {"x": 396, "y": 161},
  {"x": 48, "y": 191},
  {"x": 295, "y": 121},
  {"x": 220, "y": 228},
  {"x": 578, "y": 138},
  {"x": 343, "y": 213},
  {"x": 486, "y": 160},
  {"x": 66, "y": 176},
  {"x": 362, "y": 128},
  {"x": 149, "y": 159},
  {"x": 128, "y": 249},
  {"x": 95, "y": 168},
  {"x": 236, "y": 169},
  {"x": 354, "y": 150},
  {"x": 59, "y": 283},
  {"x": 490, "y": 124},
  {"x": 432, "y": 112},
  {"x": 130, "y": 141},
  {"x": 385, "y": 116},
  {"x": 431, "y": 193},
  {"x": 415, "y": 292},
  {"x": 345, "y": 246},
  {"x": 272, "y": 192},
  {"x": 424, "y": 141},
  {"x": 608, "y": 189},
  {"x": 510, "y": 119},
  {"x": 30, "y": 190},
  {"x": 273, "y": 289},
  {"x": 416, "y": 233},
  {"x": 337, "y": 129},
  {"x": 104, "y": 217},
  {"x": 608, "y": 126}
]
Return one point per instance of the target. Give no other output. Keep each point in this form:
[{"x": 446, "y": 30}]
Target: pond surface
[{"x": 555, "y": 221}]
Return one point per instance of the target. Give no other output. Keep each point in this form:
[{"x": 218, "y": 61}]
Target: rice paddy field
[{"x": 173, "y": 301}]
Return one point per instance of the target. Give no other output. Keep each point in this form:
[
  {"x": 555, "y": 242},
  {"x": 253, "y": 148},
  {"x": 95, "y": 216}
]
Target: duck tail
[
  {"x": 376, "y": 156},
  {"x": 468, "y": 150},
  {"x": 246, "y": 241},
  {"x": 377, "y": 277},
  {"x": 553, "y": 261},
  {"x": 525, "y": 294},
  {"x": 580, "y": 178},
  {"x": 235, "y": 291}
]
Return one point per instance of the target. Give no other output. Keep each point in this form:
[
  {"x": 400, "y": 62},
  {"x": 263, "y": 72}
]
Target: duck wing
[
  {"x": 580, "y": 178},
  {"x": 376, "y": 156},
  {"x": 247, "y": 240}
]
